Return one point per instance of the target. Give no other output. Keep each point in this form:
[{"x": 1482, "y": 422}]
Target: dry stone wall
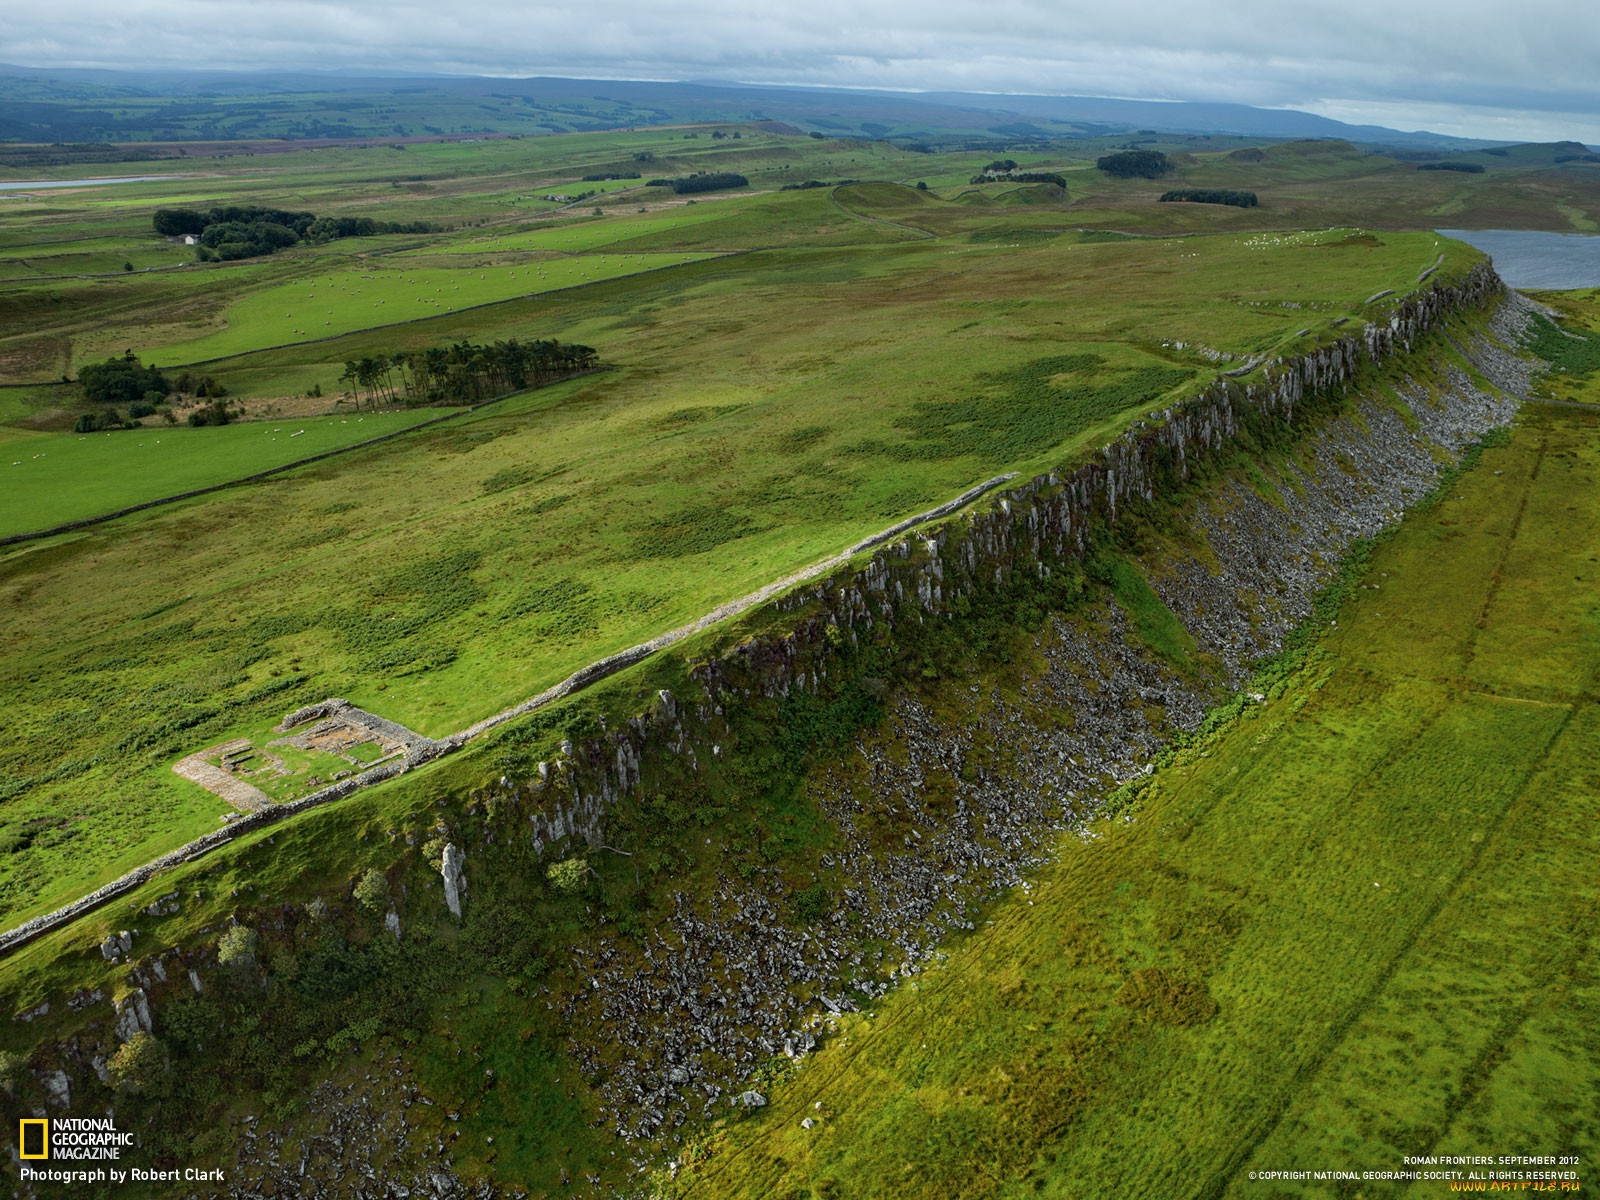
[{"x": 1035, "y": 526}]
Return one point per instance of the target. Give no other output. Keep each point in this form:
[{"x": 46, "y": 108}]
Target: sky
[{"x": 1473, "y": 68}]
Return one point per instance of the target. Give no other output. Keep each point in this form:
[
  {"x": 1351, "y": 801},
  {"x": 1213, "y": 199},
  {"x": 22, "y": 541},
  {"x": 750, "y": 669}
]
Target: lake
[
  {"x": 31, "y": 185},
  {"x": 1526, "y": 259}
]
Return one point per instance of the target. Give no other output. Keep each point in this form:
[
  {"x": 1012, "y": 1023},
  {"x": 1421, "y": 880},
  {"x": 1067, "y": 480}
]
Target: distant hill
[{"x": 76, "y": 105}]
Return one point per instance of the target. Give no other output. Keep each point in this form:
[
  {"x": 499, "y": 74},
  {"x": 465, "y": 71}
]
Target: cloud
[{"x": 1462, "y": 66}]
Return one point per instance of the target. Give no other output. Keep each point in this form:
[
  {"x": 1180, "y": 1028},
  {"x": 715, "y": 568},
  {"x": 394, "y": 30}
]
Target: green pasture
[
  {"x": 51, "y": 479},
  {"x": 1357, "y": 926},
  {"x": 322, "y": 305}
]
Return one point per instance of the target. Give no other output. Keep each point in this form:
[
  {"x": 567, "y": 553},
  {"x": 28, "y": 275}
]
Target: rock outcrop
[{"x": 455, "y": 883}]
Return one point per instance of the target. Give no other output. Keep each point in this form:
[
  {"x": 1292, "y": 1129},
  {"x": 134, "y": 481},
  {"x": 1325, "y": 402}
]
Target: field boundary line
[
  {"x": 334, "y": 337},
  {"x": 36, "y": 927},
  {"x": 68, "y": 527}
]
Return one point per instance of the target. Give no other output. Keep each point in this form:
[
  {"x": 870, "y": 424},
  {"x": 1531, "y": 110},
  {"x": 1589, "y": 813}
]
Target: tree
[
  {"x": 140, "y": 1063},
  {"x": 121, "y": 381},
  {"x": 127, "y": 266},
  {"x": 568, "y": 876},
  {"x": 372, "y": 891},
  {"x": 236, "y": 949},
  {"x": 175, "y": 222},
  {"x": 11, "y": 1065}
]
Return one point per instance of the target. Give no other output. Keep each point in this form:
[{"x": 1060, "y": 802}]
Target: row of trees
[
  {"x": 710, "y": 181},
  {"x": 235, "y": 231},
  {"x": 1022, "y": 177},
  {"x": 1210, "y": 196},
  {"x": 815, "y": 183},
  {"x": 1465, "y": 168},
  {"x": 464, "y": 372}
]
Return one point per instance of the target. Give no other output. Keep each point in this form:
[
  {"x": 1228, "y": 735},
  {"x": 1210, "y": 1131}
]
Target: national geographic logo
[{"x": 71, "y": 1139}]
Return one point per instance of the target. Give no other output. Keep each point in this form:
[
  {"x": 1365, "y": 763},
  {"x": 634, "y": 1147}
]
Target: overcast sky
[{"x": 1477, "y": 68}]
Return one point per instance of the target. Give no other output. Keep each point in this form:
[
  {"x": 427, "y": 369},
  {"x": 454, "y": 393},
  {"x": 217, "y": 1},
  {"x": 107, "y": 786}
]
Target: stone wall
[{"x": 1035, "y": 526}]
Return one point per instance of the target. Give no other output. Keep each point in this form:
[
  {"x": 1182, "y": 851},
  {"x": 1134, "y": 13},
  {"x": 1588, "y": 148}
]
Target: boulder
[
  {"x": 133, "y": 1014},
  {"x": 57, "y": 1090},
  {"x": 455, "y": 882},
  {"x": 116, "y": 946}
]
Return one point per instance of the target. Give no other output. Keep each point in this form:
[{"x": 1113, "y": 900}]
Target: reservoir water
[
  {"x": 1526, "y": 259},
  {"x": 31, "y": 185}
]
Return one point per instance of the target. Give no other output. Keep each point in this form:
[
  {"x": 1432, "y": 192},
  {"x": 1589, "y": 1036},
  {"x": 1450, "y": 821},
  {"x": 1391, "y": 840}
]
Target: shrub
[
  {"x": 236, "y": 949},
  {"x": 94, "y": 422},
  {"x": 372, "y": 890},
  {"x": 140, "y": 1063},
  {"x": 11, "y": 1065},
  {"x": 215, "y": 413},
  {"x": 812, "y": 903},
  {"x": 569, "y": 875}
]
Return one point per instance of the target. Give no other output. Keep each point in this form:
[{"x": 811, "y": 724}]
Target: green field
[
  {"x": 324, "y": 305},
  {"x": 51, "y": 479},
  {"x": 1357, "y": 926}
]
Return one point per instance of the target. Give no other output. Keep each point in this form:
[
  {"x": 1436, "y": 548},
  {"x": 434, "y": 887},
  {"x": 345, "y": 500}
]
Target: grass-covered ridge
[{"x": 824, "y": 394}]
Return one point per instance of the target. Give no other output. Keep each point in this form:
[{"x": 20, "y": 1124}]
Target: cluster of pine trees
[
  {"x": 1211, "y": 196},
  {"x": 710, "y": 181},
  {"x": 465, "y": 371},
  {"x": 1135, "y": 164}
]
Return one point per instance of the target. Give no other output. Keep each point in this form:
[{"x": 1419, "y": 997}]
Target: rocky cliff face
[
  {"x": 716, "y": 991},
  {"x": 1037, "y": 526}
]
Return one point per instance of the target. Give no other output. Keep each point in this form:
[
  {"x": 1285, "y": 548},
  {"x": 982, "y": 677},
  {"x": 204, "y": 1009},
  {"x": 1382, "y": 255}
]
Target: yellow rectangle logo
[{"x": 33, "y": 1137}]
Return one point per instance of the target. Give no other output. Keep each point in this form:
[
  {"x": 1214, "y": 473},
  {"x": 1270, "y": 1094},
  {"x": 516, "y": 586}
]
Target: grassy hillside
[{"x": 1357, "y": 926}]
